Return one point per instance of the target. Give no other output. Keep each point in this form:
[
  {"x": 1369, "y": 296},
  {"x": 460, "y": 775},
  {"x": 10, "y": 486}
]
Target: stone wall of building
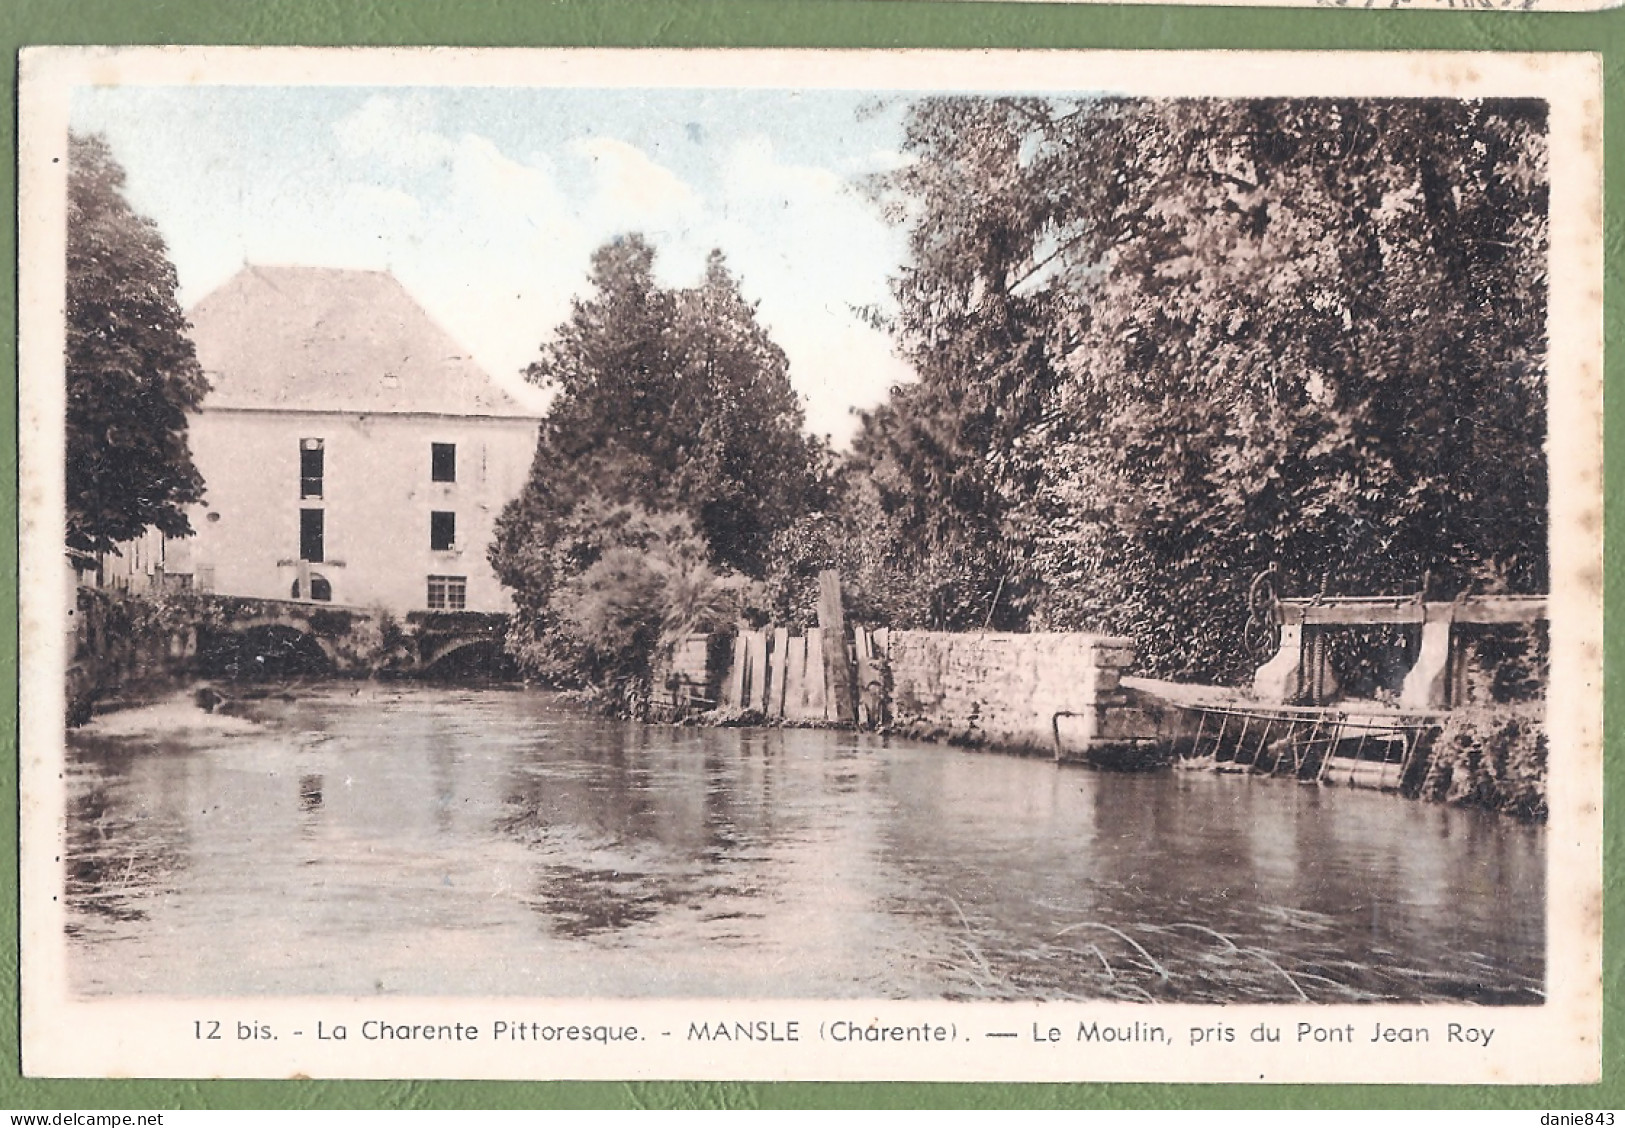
[
  {"x": 376, "y": 496},
  {"x": 1055, "y": 693}
]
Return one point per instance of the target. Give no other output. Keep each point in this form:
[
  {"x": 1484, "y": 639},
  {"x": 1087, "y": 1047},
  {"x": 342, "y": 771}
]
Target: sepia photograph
[{"x": 811, "y": 565}]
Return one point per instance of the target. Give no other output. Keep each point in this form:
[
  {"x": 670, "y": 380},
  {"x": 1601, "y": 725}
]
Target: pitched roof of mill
[{"x": 320, "y": 339}]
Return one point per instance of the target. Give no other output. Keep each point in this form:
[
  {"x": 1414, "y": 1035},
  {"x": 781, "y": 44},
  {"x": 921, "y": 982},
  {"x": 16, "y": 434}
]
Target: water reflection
[
  {"x": 124, "y": 847},
  {"x": 437, "y": 841}
]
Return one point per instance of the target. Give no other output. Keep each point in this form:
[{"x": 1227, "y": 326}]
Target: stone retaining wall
[
  {"x": 1056, "y": 693},
  {"x": 118, "y": 645}
]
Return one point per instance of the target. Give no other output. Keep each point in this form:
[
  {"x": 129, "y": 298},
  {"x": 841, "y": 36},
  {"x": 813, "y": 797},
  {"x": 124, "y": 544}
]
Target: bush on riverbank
[{"x": 1491, "y": 757}]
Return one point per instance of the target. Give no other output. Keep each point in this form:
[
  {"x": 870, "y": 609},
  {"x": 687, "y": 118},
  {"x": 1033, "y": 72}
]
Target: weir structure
[
  {"x": 1298, "y": 669},
  {"x": 1291, "y": 725},
  {"x": 1071, "y": 694},
  {"x": 1324, "y": 744}
]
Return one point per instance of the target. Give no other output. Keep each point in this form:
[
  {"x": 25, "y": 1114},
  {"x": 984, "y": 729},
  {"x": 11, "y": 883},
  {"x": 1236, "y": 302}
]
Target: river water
[{"x": 365, "y": 840}]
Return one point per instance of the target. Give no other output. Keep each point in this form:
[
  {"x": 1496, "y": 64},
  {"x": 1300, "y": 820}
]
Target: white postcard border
[{"x": 1554, "y": 1043}]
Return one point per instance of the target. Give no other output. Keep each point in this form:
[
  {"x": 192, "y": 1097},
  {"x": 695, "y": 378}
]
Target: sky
[{"x": 487, "y": 203}]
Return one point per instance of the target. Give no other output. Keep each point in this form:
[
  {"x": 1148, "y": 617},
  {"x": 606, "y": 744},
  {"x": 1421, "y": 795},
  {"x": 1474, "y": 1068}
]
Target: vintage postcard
[{"x": 811, "y": 565}]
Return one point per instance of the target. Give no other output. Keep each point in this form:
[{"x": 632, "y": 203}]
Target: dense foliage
[
  {"x": 1163, "y": 344},
  {"x": 627, "y": 581},
  {"x": 132, "y": 373},
  {"x": 1493, "y": 758},
  {"x": 672, "y": 455}
]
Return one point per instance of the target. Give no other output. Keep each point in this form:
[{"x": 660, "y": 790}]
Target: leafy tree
[
  {"x": 946, "y": 454},
  {"x": 747, "y": 468},
  {"x": 675, "y": 402},
  {"x": 637, "y": 582},
  {"x": 1170, "y": 342},
  {"x": 132, "y": 372},
  {"x": 853, "y": 534}
]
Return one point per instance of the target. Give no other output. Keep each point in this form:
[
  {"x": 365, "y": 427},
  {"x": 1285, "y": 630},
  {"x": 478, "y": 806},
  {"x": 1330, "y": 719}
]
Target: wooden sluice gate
[
  {"x": 1294, "y": 724},
  {"x": 1315, "y": 744},
  {"x": 1298, "y": 670}
]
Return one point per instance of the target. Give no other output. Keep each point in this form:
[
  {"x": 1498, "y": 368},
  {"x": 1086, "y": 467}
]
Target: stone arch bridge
[{"x": 345, "y": 639}]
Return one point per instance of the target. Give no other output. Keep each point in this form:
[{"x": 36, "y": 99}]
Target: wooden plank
[
  {"x": 1352, "y": 614},
  {"x": 1375, "y": 610},
  {"x": 757, "y": 649},
  {"x": 1502, "y": 609},
  {"x": 837, "y": 669},
  {"x": 797, "y": 683},
  {"x": 777, "y": 659},
  {"x": 860, "y": 643},
  {"x": 815, "y": 699},
  {"x": 1347, "y": 600},
  {"x": 795, "y": 675},
  {"x": 736, "y": 675},
  {"x": 742, "y": 657}
]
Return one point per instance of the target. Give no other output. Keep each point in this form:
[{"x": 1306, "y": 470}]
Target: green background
[{"x": 796, "y": 23}]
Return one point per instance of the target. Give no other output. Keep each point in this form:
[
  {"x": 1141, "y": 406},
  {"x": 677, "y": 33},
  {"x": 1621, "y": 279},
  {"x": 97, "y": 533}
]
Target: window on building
[
  {"x": 321, "y": 589},
  {"x": 442, "y": 531},
  {"x": 310, "y": 467},
  {"x": 311, "y": 528},
  {"x": 448, "y": 593},
  {"x": 443, "y": 462}
]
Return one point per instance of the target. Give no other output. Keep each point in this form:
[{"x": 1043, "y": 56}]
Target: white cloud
[
  {"x": 811, "y": 224},
  {"x": 503, "y": 253},
  {"x": 633, "y": 191},
  {"x": 497, "y": 201},
  {"x": 492, "y": 227},
  {"x": 753, "y": 171},
  {"x": 391, "y": 131},
  {"x": 838, "y": 364},
  {"x": 389, "y": 209},
  {"x": 356, "y": 225},
  {"x": 808, "y": 244},
  {"x": 511, "y": 247}
]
